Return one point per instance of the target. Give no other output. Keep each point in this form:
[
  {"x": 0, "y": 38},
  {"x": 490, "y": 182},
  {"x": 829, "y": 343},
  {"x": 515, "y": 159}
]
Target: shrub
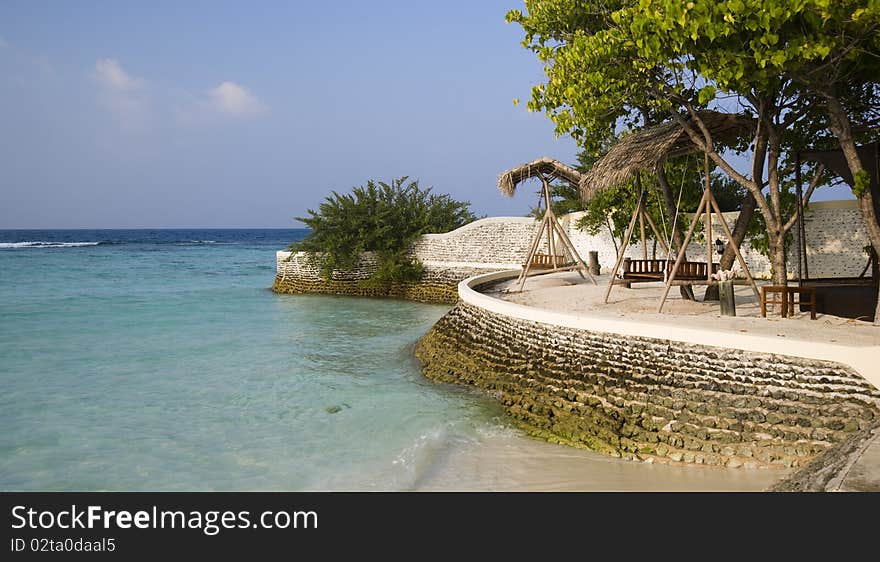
[{"x": 380, "y": 218}]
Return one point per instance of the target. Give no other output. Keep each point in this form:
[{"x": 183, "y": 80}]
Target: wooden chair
[{"x": 786, "y": 295}]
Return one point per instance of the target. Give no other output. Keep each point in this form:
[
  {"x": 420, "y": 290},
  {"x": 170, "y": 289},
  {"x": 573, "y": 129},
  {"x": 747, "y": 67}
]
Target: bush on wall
[{"x": 381, "y": 218}]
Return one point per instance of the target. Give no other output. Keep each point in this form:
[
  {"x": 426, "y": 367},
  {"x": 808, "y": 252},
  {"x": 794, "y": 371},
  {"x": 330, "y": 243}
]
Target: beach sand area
[
  {"x": 513, "y": 462},
  {"x": 567, "y": 292}
]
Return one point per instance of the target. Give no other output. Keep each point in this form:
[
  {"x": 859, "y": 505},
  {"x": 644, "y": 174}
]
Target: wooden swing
[
  {"x": 703, "y": 274},
  {"x": 568, "y": 260},
  {"x": 645, "y": 150},
  {"x": 643, "y": 270},
  {"x": 561, "y": 255}
]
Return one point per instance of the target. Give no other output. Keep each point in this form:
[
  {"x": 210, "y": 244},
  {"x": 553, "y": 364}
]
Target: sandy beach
[
  {"x": 514, "y": 462},
  {"x": 567, "y": 292}
]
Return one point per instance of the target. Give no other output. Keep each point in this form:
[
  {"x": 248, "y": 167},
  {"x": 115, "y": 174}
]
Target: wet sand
[{"x": 512, "y": 461}]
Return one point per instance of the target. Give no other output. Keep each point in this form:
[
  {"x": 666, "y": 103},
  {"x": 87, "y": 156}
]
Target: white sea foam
[
  {"x": 415, "y": 461},
  {"x": 42, "y": 244}
]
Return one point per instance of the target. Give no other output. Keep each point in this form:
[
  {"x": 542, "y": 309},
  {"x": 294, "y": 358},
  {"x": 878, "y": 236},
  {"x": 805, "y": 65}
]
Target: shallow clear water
[{"x": 161, "y": 361}]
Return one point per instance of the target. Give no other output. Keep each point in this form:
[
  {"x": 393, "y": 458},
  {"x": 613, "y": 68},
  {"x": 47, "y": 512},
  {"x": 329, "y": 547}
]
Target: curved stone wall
[
  {"x": 297, "y": 275},
  {"x": 439, "y": 284},
  {"x": 502, "y": 240},
  {"x": 648, "y": 397},
  {"x": 839, "y": 469}
]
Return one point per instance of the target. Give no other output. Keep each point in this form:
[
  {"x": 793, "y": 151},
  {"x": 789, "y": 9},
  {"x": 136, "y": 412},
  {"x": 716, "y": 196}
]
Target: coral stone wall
[
  {"x": 498, "y": 240},
  {"x": 439, "y": 284},
  {"x": 830, "y": 471},
  {"x": 289, "y": 264},
  {"x": 836, "y": 237},
  {"x": 426, "y": 292},
  {"x": 483, "y": 246},
  {"x": 646, "y": 398}
]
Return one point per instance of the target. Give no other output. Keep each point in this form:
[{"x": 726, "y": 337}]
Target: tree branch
[{"x": 814, "y": 183}]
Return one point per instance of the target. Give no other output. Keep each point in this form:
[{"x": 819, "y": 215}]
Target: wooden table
[{"x": 787, "y": 293}]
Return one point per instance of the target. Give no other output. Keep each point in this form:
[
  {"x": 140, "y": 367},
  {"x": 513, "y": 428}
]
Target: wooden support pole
[
  {"x": 708, "y": 226},
  {"x": 681, "y": 251},
  {"x": 708, "y": 223},
  {"x": 641, "y": 210},
  {"x": 739, "y": 257},
  {"x": 530, "y": 256},
  {"x": 620, "y": 254},
  {"x": 566, "y": 241},
  {"x": 551, "y": 219},
  {"x": 657, "y": 233},
  {"x": 644, "y": 238}
]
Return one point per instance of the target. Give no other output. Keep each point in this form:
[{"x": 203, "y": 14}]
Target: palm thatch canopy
[
  {"x": 647, "y": 149},
  {"x": 545, "y": 166}
]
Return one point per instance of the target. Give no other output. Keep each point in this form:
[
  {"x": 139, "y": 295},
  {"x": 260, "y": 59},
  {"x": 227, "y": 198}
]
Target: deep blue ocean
[{"x": 160, "y": 360}]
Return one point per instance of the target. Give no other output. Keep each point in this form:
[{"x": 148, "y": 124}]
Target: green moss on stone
[{"x": 615, "y": 395}]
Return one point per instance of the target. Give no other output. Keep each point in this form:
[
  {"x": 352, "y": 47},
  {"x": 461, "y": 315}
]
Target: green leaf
[{"x": 706, "y": 94}]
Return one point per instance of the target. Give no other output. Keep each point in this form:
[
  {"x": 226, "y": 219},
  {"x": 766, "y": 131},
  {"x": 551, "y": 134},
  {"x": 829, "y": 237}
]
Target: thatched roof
[
  {"x": 648, "y": 148},
  {"x": 549, "y": 167}
]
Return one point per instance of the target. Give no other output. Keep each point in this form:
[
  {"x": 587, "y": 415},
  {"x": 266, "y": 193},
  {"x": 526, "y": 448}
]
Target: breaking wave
[{"x": 42, "y": 244}]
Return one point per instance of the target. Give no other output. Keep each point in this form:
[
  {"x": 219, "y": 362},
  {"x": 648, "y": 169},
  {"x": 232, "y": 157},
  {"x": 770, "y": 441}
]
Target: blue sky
[
  {"x": 120, "y": 114},
  {"x": 234, "y": 114}
]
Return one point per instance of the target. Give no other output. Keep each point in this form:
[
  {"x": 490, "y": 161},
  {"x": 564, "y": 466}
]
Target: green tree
[
  {"x": 842, "y": 80},
  {"x": 381, "y": 218},
  {"x": 606, "y": 61}
]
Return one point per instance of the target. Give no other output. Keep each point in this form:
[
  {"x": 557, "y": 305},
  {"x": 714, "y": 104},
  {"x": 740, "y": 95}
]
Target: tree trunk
[
  {"x": 840, "y": 125},
  {"x": 773, "y": 218},
  {"x": 739, "y": 234},
  {"x": 778, "y": 273},
  {"x": 687, "y": 291}
]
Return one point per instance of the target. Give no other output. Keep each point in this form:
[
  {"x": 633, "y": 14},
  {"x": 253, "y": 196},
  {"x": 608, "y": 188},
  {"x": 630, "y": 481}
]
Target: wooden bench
[
  {"x": 786, "y": 294},
  {"x": 644, "y": 270},
  {"x": 636, "y": 271},
  {"x": 694, "y": 271},
  {"x": 546, "y": 261}
]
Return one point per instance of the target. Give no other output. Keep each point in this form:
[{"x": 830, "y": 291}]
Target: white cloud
[
  {"x": 110, "y": 75},
  {"x": 122, "y": 94},
  {"x": 129, "y": 99},
  {"x": 233, "y": 99}
]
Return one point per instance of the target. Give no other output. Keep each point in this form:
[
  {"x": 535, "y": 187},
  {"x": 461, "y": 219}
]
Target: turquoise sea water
[{"x": 159, "y": 360}]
